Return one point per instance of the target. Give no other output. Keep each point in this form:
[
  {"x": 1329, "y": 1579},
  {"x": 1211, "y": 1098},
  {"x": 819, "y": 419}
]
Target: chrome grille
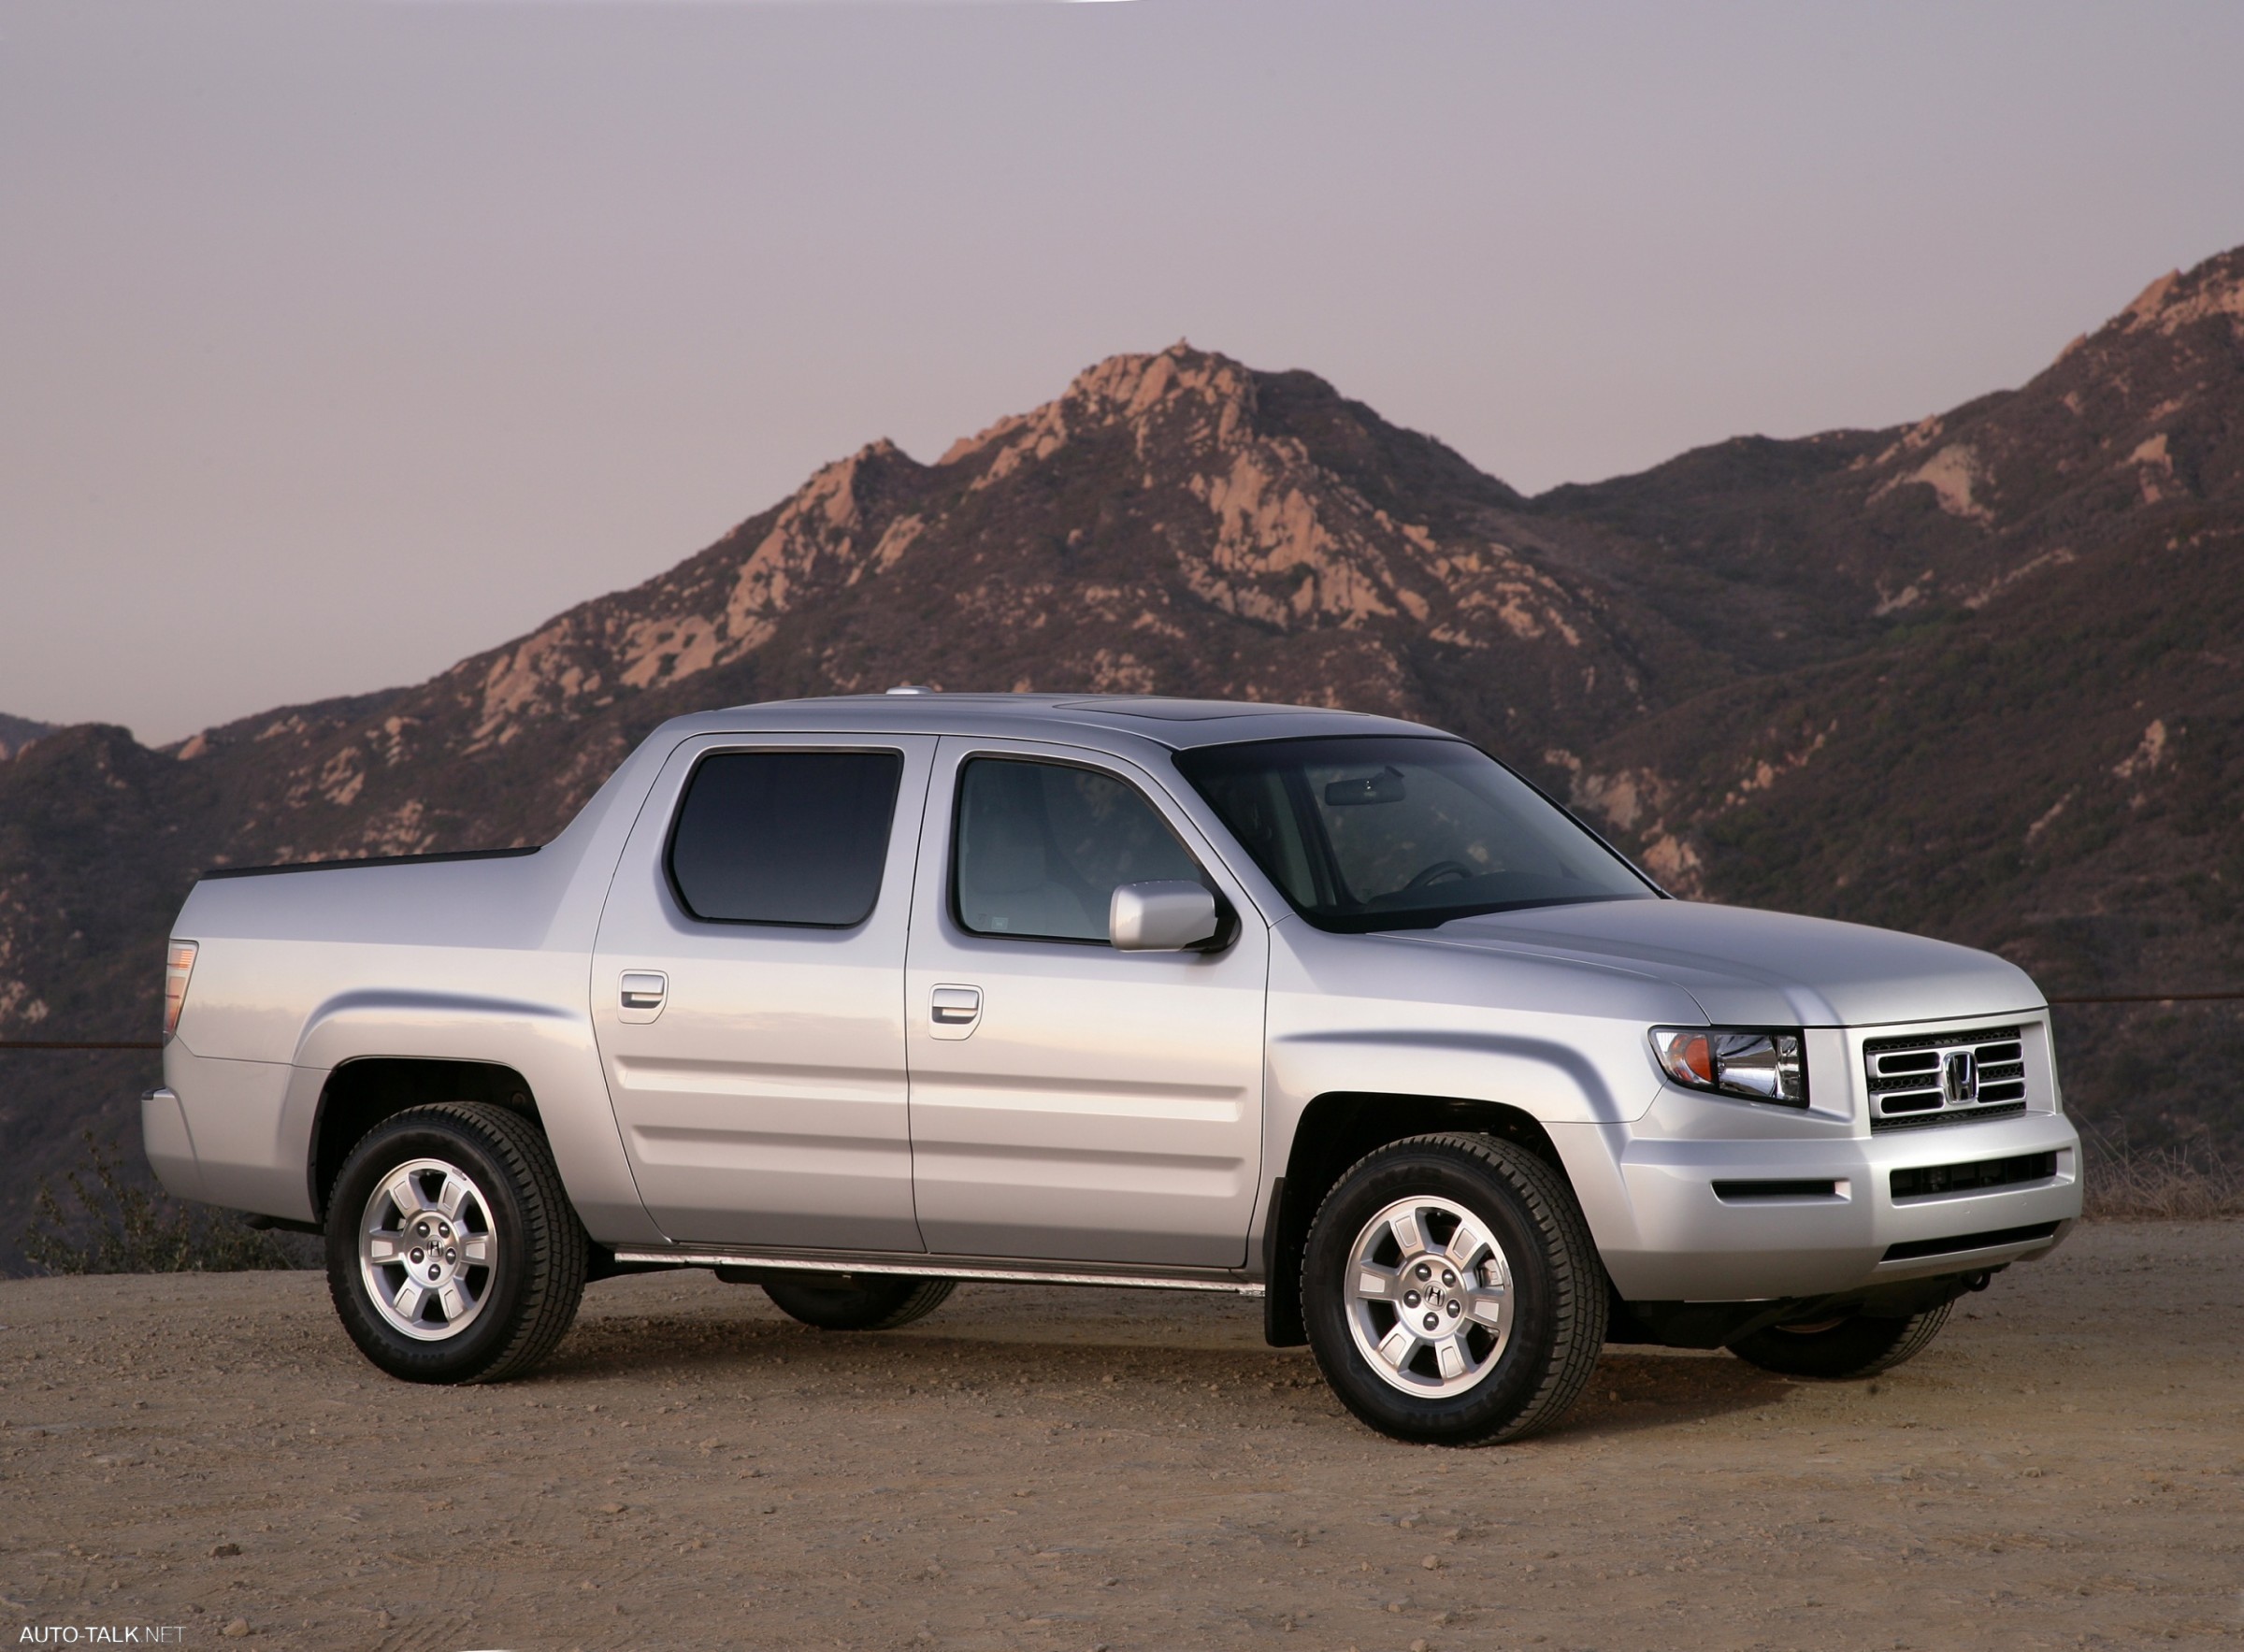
[{"x": 1944, "y": 1077}]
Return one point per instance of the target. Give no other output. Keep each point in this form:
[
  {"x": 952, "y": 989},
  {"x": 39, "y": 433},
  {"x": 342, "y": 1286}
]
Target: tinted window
[
  {"x": 784, "y": 837},
  {"x": 1041, "y": 847},
  {"x": 1384, "y": 833}
]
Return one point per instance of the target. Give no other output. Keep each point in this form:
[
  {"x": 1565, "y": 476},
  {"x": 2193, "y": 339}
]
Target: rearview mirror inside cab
[{"x": 1384, "y": 787}]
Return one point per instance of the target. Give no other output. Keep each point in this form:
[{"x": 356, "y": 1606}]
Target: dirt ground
[{"x": 1041, "y": 1467}]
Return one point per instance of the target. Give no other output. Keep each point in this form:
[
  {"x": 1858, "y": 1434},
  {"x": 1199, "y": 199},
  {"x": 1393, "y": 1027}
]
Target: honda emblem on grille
[{"x": 1960, "y": 1077}]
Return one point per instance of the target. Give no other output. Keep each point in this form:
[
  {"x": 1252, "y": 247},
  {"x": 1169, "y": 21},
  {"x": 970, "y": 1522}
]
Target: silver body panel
[
  {"x": 765, "y": 1102},
  {"x": 910, "y": 1091},
  {"x": 1107, "y": 1105}
]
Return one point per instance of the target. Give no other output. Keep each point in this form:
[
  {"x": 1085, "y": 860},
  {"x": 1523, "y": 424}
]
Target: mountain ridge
[
  {"x": 1968, "y": 675},
  {"x": 18, "y": 732}
]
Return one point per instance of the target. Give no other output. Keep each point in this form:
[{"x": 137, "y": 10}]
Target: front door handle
[
  {"x": 642, "y": 994},
  {"x": 954, "y": 1011}
]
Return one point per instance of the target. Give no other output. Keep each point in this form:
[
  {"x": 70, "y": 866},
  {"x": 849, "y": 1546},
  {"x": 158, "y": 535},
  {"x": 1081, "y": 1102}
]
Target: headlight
[{"x": 1734, "y": 1061}]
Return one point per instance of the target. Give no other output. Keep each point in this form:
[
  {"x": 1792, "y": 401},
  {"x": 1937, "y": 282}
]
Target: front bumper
[{"x": 1666, "y": 1234}]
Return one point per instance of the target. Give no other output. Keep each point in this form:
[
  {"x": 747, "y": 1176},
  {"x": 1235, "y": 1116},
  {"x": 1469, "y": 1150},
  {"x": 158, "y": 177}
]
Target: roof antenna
[{"x": 911, "y": 688}]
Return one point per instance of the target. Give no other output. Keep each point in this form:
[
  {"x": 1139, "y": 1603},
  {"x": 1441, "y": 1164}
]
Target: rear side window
[
  {"x": 1041, "y": 845},
  {"x": 784, "y": 837}
]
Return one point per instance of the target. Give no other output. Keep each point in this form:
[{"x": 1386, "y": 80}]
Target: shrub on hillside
[{"x": 109, "y": 1225}]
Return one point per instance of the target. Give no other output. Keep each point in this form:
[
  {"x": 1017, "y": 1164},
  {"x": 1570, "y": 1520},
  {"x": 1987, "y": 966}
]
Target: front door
[
  {"x": 1069, "y": 1101},
  {"x": 747, "y": 991}
]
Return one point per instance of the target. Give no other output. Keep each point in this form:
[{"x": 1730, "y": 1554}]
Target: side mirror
[{"x": 1165, "y": 916}]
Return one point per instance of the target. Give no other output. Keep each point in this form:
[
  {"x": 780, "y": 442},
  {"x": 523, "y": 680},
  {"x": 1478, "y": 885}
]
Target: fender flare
[{"x": 549, "y": 1046}]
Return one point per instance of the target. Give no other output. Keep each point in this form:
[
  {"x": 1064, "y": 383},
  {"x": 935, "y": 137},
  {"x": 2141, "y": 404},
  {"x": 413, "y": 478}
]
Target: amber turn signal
[{"x": 1753, "y": 1064}]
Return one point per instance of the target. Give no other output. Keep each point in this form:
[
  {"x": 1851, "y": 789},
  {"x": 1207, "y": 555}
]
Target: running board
[{"x": 934, "y": 1270}]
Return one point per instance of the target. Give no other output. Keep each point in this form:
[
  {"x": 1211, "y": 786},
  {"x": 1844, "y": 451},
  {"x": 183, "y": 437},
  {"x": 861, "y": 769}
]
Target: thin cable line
[
  {"x": 2157, "y": 998},
  {"x": 2141, "y": 997},
  {"x": 69, "y": 1044}
]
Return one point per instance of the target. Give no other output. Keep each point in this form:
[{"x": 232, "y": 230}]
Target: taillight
[{"x": 178, "y": 965}]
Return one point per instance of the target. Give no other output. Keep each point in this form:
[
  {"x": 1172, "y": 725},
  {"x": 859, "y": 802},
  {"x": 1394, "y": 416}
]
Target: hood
[{"x": 1758, "y": 969}]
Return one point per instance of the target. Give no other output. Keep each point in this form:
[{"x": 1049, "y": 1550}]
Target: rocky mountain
[
  {"x": 1974, "y": 677},
  {"x": 18, "y": 732},
  {"x": 2006, "y": 687}
]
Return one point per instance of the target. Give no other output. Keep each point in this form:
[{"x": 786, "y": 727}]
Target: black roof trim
[{"x": 329, "y": 866}]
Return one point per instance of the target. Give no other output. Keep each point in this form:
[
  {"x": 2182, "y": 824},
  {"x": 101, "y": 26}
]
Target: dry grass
[
  {"x": 109, "y": 1223},
  {"x": 2187, "y": 1183}
]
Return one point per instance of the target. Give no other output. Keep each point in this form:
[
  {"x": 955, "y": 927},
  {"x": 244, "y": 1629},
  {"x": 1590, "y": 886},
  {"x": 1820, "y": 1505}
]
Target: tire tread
[
  {"x": 922, "y": 1297},
  {"x": 1769, "y": 1349},
  {"x": 930, "y": 1295}
]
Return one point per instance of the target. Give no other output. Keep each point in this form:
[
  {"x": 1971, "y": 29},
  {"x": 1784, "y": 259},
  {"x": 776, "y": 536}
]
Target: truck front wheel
[
  {"x": 1451, "y": 1292},
  {"x": 454, "y": 1255}
]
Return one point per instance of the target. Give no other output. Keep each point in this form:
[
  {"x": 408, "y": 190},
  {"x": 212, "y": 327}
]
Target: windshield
[{"x": 1391, "y": 832}]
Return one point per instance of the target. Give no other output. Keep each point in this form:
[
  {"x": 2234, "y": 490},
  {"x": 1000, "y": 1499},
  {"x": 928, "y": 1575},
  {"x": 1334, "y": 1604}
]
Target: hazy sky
[{"x": 341, "y": 340}]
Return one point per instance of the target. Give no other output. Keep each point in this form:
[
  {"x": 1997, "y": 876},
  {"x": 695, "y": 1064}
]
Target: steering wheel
[{"x": 1437, "y": 871}]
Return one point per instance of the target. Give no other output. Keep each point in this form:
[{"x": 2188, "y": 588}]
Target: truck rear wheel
[
  {"x": 1856, "y": 1346},
  {"x": 1451, "y": 1292},
  {"x": 859, "y": 1301},
  {"x": 454, "y": 1255}
]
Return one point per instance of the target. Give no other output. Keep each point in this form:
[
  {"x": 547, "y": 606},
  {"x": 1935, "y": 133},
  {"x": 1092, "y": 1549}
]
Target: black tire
[
  {"x": 1556, "y": 1296},
  {"x": 1858, "y": 1346},
  {"x": 859, "y": 1302},
  {"x": 527, "y": 1297}
]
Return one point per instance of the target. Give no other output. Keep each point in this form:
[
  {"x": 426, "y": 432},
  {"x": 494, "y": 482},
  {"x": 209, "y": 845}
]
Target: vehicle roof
[{"x": 1179, "y": 724}]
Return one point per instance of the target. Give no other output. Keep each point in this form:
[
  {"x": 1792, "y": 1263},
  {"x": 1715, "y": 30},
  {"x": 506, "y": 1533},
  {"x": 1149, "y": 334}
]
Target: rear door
[
  {"x": 747, "y": 991},
  {"x": 1069, "y": 1101}
]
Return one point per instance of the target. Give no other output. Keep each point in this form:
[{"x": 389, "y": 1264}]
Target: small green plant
[{"x": 117, "y": 1227}]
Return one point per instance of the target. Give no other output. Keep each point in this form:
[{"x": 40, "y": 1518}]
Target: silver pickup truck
[{"x": 855, "y": 999}]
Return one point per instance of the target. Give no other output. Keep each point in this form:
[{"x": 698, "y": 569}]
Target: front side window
[
  {"x": 1388, "y": 832},
  {"x": 1041, "y": 846},
  {"x": 784, "y": 837}
]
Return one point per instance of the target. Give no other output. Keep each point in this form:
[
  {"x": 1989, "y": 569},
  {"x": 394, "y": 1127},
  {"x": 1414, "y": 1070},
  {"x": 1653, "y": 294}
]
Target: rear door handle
[
  {"x": 643, "y": 995},
  {"x": 954, "y": 1011}
]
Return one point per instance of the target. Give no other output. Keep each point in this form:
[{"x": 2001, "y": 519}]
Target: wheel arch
[
  {"x": 1335, "y": 1130},
  {"x": 358, "y": 1095}
]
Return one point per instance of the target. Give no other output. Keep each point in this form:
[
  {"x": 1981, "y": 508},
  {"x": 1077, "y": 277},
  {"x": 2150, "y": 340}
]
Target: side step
[{"x": 927, "y": 1268}]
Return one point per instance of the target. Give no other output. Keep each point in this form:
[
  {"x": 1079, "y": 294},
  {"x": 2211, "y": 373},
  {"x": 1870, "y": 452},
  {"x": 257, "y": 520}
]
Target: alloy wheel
[
  {"x": 427, "y": 1250},
  {"x": 1429, "y": 1298}
]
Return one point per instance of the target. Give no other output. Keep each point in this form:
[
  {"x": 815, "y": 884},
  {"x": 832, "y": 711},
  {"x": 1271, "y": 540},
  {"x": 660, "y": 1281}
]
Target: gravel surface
[{"x": 1041, "y": 1468}]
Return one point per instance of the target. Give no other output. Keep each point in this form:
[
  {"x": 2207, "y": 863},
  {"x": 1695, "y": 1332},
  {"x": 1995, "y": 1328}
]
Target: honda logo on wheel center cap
[{"x": 1960, "y": 1077}]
